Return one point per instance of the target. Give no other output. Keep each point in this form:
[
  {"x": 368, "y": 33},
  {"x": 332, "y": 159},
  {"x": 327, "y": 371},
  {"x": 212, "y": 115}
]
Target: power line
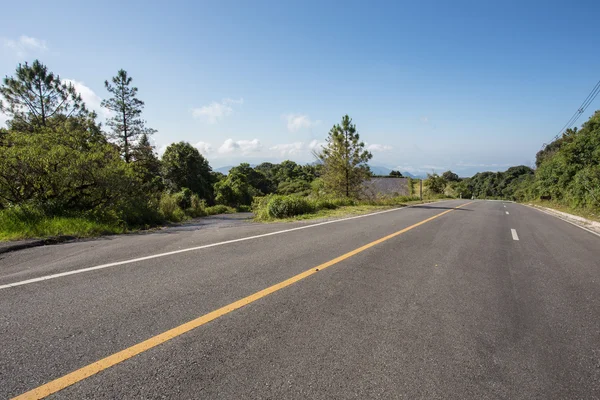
[{"x": 586, "y": 103}]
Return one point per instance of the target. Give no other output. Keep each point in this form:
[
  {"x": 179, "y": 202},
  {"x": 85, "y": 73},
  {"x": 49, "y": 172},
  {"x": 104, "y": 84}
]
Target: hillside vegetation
[{"x": 567, "y": 174}]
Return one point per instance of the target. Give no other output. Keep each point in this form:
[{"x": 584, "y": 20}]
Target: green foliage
[
  {"x": 35, "y": 95},
  {"x": 294, "y": 187},
  {"x": 396, "y": 174},
  {"x": 434, "y": 184},
  {"x": 184, "y": 167},
  {"x": 497, "y": 185},
  {"x": 344, "y": 160},
  {"x": 21, "y": 222},
  {"x": 127, "y": 124},
  {"x": 458, "y": 189},
  {"x": 287, "y": 177},
  {"x": 147, "y": 165},
  {"x": 569, "y": 168},
  {"x": 253, "y": 177},
  {"x": 278, "y": 206},
  {"x": 288, "y": 206},
  {"x": 235, "y": 190},
  {"x": 169, "y": 208},
  {"x": 72, "y": 170},
  {"x": 450, "y": 176}
]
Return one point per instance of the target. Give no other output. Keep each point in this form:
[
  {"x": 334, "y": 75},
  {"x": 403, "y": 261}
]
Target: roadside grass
[
  {"x": 331, "y": 210},
  {"x": 342, "y": 211},
  {"x": 19, "y": 223},
  {"x": 14, "y": 226},
  {"x": 589, "y": 213}
]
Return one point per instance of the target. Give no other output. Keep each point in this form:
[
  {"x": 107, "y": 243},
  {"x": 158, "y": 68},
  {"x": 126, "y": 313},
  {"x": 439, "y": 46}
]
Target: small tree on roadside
[
  {"x": 396, "y": 174},
  {"x": 435, "y": 184},
  {"x": 344, "y": 160},
  {"x": 35, "y": 96},
  {"x": 127, "y": 124}
]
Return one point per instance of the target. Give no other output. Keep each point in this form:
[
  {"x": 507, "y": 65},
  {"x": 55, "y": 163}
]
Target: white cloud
[
  {"x": 161, "y": 150},
  {"x": 297, "y": 148},
  {"x": 425, "y": 120},
  {"x": 379, "y": 147},
  {"x": 216, "y": 111},
  {"x": 295, "y": 122},
  {"x": 288, "y": 149},
  {"x": 463, "y": 164},
  {"x": 90, "y": 98},
  {"x": 204, "y": 148},
  {"x": 3, "y": 119},
  {"x": 316, "y": 145},
  {"x": 244, "y": 147},
  {"x": 25, "y": 45},
  {"x": 434, "y": 168}
]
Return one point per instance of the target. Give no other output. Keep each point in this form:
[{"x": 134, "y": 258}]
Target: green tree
[
  {"x": 235, "y": 190},
  {"x": 184, "y": 167},
  {"x": 147, "y": 164},
  {"x": 127, "y": 124},
  {"x": 78, "y": 172},
  {"x": 450, "y": 176},
  {"x": 34, "y": 96},
  {"x": 254, "y": 178},
  {"x": 396, "y": 174},
  {"x": 344, "y": 160},
  {"x": 435, "y": 184}
]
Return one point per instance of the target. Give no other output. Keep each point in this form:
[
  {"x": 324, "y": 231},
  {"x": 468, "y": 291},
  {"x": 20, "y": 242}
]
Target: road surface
[{"x": 457, "y": 299}]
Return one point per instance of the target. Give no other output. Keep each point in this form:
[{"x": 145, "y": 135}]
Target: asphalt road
[{"x": 446, "y": 305}]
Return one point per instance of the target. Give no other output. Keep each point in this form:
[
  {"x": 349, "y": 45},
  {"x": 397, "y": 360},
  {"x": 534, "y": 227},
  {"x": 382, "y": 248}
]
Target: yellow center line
[{"x": 116, "y": 358}]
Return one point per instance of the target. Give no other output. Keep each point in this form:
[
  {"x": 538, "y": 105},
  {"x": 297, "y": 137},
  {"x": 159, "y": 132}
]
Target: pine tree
[
  {"x": 146, "y": 163},
  {"x": 35, "y": 96},
  {"x": 344, "y": 160},
  {"x": 127, "y": 124}
]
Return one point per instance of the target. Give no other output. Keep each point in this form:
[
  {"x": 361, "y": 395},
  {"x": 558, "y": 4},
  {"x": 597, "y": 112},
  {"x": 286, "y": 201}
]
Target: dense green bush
[
  {"x": 289, "y": 206},
  {"x": 279, "y": 206}
]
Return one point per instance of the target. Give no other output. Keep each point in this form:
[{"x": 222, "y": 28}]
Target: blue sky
[{"x": 461, "y": 85}]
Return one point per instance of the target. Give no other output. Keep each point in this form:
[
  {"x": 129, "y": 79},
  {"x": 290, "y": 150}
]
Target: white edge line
[
  {"x": 514, "y": 234},
  {"x": 563, "y": 219},
  {"x": 130, "y": 261}
]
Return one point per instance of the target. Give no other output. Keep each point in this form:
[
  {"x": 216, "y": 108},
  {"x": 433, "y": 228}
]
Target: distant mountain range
[{"x": 377, "y": 170}]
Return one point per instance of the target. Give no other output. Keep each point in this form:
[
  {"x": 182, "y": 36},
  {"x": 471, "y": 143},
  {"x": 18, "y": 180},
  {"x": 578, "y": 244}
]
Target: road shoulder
[{"x": 584, "y": 223}]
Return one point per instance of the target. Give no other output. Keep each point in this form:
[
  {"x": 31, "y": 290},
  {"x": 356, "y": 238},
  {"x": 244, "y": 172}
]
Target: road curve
[{"x": 455, "y": 299}]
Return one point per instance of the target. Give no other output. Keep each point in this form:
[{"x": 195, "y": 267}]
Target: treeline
[
  {"x": 567, "y": 172},
  {"x": 59, "y": 165}
]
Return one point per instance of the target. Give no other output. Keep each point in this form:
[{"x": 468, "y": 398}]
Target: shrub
[
  {"x": 169, "y": 209},
  {"x": 219, "y": 209},
  {"x": 184, "y": 198},
  {"x": 289, "y": 206},
  {"x": 197, "y": 207}
]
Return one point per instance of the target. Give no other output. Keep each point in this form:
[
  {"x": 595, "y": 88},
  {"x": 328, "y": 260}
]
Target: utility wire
[{"x": 586, "y": 103}]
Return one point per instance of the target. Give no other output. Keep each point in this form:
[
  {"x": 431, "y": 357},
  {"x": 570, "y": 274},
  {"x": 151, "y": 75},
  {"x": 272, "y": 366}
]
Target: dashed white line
[
  {"x": 506, "y": 212},
  {"x": 514, "y": 234}
]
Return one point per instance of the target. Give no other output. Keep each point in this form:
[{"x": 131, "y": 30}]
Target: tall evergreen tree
[
  {"x": 344, "y": 160},
  {"x": 146, "y": 163},
  {"x": 127, "y": 124},
  {"x": 35, "y": 96}
]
